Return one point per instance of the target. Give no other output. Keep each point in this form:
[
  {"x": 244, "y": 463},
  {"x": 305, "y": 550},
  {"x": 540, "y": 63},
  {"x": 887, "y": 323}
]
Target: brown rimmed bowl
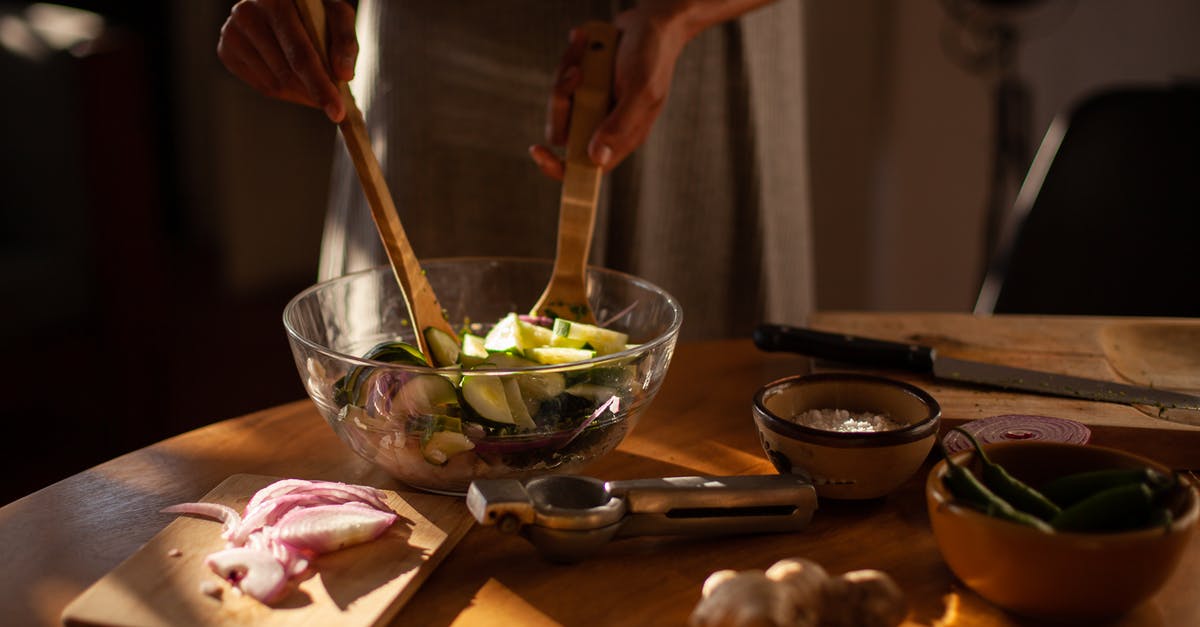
[
  {"x": 846, "y": 465},
  {"x": 1081, "y": 578}
]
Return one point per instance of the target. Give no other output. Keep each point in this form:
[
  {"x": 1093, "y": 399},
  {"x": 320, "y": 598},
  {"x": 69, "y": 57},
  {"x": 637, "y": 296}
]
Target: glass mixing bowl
[{"x": 414, "y": 422}]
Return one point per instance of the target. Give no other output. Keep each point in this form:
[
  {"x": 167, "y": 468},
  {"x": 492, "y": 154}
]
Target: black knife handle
[{"x": 844, "y": 348}]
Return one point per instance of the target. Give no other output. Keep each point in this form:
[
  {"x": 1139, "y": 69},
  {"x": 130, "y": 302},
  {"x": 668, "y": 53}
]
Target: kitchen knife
[{"x": 924, "y": 359}]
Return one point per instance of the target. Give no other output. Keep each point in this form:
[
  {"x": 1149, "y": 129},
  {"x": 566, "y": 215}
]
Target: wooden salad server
[
  {"x": 566, "y": 294},
  {"x": 424, "y": 310}
]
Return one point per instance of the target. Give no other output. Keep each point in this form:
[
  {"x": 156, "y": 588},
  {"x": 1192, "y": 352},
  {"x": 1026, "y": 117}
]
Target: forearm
[{"x": 694, "y": 16}]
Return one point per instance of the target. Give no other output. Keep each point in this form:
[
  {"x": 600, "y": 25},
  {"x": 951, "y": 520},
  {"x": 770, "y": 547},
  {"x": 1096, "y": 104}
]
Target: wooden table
[{"x": 58, "y": 541}]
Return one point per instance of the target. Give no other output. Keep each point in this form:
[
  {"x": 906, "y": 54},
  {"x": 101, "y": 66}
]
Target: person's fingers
[
  {"x": 566, "y": 80},
  {"x": 343, "y": 42},
  {"x": 306, "y": 64},
  {"x": 559, "y": 116},
  {"x": 625, "y": 127},
  {"x": 240, "y": 57},
  {"x": 547, "y": 162}
]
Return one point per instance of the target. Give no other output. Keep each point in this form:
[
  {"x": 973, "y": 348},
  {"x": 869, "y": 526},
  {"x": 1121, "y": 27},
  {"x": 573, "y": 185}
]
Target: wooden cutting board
[
  {"x": 1123, "y": 350},
  {"x": 361, "y": 585},
  {"x": 1164, "y": 354}
]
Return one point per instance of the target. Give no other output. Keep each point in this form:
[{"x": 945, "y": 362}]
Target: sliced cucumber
[
  {"x": 559, "y": 354},
  {"x": 506, "y": 361},
  {"x": 568, "y": 342},
  {"x": 513, "y": 335},
  {"x": 353, "y": 387},
  {"x": 426, "y": 394},
  {"x": 473, "y": 351},
  {"x": 535, "y": 386},
  {"x": 516, "y": 405},
  {"x": 486, "y": 396},
  {"x": 595, "y": 393},
  {"x": 444, "y": 347},
  {"x": 604, "y": 341},
  {"x": 438, "y": 447},
  {"x": 397, "y": 352},
  {"x": 618, "y": 377}
]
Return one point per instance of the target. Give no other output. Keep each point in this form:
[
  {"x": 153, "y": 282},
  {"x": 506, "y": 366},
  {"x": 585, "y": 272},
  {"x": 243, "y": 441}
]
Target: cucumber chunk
[
  {"x": 513, "y": 335},
  {"x": 559, "y": 354},
  {"x": 426, "y": 394},
  {"x": 517, "y": 406},
  {"x": 604, "y": 341},
  {"x": 443, "y": 346},
  {"x": 473, "y": 350},
  {"x": 535, "y": 386},
  {"x": 595, "y": 393},
  {"x": 486, "y": 396},
  {"x": 397, "y": 352},
  {"x": 438, "y": 447}
]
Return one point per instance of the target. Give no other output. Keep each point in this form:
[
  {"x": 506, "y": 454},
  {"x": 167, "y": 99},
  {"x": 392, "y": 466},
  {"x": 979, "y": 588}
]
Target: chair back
[{"x": 1107, "y": 221}]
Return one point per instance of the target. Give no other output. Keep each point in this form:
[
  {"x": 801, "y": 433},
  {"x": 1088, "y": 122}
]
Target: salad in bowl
[{"x": 513, "y": 396}]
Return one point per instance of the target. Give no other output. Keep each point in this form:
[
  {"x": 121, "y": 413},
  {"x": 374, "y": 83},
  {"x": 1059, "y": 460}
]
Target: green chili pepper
[
  {"x": 1008, "y": 487},
  {"x": 1161, "y": 517},
  {"x": 1070, "y": 489},
  {"x": 970, "y": 491},
  {"x": 1120, "y": 508}
]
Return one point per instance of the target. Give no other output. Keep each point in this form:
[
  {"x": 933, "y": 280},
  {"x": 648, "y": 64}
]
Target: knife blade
[{"x": 925, "y": 359}]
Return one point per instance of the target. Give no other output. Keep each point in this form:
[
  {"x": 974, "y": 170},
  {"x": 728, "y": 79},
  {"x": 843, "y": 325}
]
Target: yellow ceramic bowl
[
  {"x": 1056, "y": 576},
  {"x": 846, "y": 465}
]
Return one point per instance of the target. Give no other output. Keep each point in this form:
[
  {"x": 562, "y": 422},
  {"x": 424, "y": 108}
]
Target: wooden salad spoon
[
  {"x": 424, "y": 311},
  {"x": 566, "y": 294}
]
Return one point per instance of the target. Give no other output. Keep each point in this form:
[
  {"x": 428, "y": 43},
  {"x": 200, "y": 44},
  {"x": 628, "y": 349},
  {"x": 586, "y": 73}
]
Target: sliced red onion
[
  {"x": 1017, "y": 428},
  {"x": 227, "y": 516},
  {"x": 349, "y": 491},
  {"x": 286, "y": 525},
  {"x": 254, "y": 571},
  {"x": 293, "y": 559},
  {"x": 279, "y": 488},
  {"x": 541, "y": 321},
  {"x": 326, "y": 528}
]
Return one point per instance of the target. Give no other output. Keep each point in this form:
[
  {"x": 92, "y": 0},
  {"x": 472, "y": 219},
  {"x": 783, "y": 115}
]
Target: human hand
[
  {"x": 264, "y": 43},
  {"x": 652, "y": 37}
]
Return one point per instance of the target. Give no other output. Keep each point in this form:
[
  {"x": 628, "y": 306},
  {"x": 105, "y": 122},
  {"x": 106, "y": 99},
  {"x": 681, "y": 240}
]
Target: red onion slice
[
  {"x": 326, "y": 528},
  {"x": 343, "y": 491},
  {"x": 227, "y": 516},
  {"x": 277, "y": 489},
  {"x": 1017, "y": 428},
  {"x": 254, "y": 571}
]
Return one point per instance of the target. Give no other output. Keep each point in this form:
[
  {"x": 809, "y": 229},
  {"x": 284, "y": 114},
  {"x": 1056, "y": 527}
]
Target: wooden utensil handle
[
  {"x": 566, "y": 295},
  {"x": 581, "y": 178},
  {"x": 423, "y": 307}
]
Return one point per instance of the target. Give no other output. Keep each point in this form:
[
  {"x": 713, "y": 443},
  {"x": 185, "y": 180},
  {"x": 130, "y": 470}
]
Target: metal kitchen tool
[
  {"x": 566, "y": 294},
  {"x": 924, "y": 359},
  {"x": 423, "y": 308},
  {"x": 568, "y": 517}
]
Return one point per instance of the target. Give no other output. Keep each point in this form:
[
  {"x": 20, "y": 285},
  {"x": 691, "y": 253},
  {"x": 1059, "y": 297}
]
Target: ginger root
[{"x": 799, "y": 593}]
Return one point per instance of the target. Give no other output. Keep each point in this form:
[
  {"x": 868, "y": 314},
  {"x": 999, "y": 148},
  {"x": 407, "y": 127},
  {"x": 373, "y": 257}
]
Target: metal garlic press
[{"x": 569, "y": 517}]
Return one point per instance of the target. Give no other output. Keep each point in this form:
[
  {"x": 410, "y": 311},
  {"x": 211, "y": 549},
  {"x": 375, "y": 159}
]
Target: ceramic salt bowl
[{"x": 842, "y": 460}]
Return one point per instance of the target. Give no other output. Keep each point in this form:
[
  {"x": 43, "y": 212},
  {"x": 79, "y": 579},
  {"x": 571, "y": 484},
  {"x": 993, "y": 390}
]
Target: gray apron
[{"x": 714, "y": 207}]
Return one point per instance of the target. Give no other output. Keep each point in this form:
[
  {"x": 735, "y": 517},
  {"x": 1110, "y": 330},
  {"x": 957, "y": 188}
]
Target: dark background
[{"x": 119, "y": 326}]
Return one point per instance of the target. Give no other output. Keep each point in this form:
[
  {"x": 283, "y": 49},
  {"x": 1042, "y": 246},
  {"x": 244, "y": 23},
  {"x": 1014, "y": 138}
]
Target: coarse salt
[{"x": 844, "y": 421}]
